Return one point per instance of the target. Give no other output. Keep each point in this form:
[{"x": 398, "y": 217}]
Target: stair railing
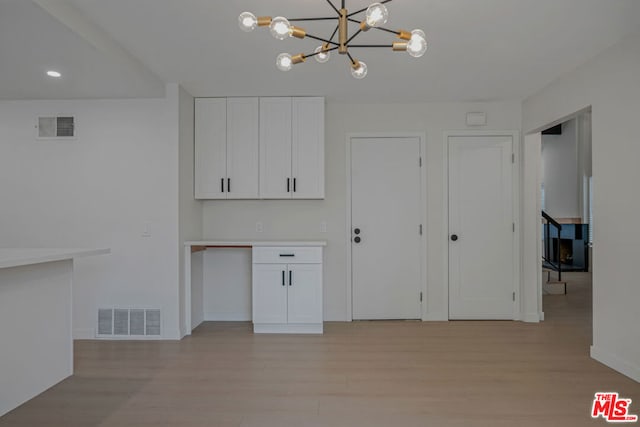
[{"x": 556, "y": 266}]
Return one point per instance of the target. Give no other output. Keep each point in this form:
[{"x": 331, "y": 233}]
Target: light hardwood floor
[{"x": 356, "y": 374}]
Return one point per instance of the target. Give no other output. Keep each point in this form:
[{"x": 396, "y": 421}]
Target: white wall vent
[
  {"x": 56, "y": 127},
  {"x": 128, "y": 322}
]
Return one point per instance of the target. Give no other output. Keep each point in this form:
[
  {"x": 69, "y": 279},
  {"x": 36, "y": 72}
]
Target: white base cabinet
[{"x": 287, "y": 290}]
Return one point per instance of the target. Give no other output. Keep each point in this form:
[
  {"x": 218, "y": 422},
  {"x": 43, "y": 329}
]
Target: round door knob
[
  {"x": 454, "y": 237},
  {"x": 356, "y": 230},
  {"x": 357, "y": 239}
]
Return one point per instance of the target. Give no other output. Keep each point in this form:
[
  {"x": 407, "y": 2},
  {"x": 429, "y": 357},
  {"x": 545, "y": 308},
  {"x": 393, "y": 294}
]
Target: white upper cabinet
[
  {"x": 307, "y": 158},
  {"x": 226, "y": 148},
  {"x": 210, "y": 148},
  {"x": 267, "y": 148},
  {"x": 275, "y": 148},
  {"x": 242, "y": 148},
  {"x": 292, "y": 148}
]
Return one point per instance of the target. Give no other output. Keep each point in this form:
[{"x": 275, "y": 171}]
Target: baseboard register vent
[{"x": 129, "y": 322}]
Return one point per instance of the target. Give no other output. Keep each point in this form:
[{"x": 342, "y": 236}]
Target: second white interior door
[
  {"x": 385, "y": 235},
  {"x": 481, "y": 227}
]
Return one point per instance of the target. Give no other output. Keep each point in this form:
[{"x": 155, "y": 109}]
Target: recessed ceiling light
[{"x": 52, "y": 73}]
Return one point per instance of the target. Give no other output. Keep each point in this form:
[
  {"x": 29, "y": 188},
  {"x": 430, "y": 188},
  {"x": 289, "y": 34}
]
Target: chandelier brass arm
[{"x": 376, "y": 15}]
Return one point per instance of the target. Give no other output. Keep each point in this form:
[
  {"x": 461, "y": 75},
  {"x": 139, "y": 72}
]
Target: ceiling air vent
[{"x": 62, "y": 127}]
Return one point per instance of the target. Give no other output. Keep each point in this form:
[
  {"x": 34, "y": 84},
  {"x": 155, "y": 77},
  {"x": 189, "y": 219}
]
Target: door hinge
[
  {"x": 419, "y": 162},
  {"x": 513, "y": 296},
  {"x": 513, "y": 157},
  {"x": 420, "y": 296},
  {"x": 513, "y": 224},
  {"x": 420, "y": 229}
]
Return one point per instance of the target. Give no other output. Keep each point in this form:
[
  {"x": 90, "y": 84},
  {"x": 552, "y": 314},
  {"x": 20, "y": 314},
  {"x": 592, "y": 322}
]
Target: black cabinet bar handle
[
  {"x": 222, "y": 185},
  {"x": 288, "y": 185},
  {"x": 287, "y": 255},
  {"x": 228, "y": 185},
  {"x": 290, "y": 277},
  {"x": 294, "y": 185},
  {"x": 283, "y": 278}
]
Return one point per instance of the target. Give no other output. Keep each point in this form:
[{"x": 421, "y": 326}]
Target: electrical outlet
[
  {"x": 258, "y": 226},
  {"x": 323, "y": 226}
]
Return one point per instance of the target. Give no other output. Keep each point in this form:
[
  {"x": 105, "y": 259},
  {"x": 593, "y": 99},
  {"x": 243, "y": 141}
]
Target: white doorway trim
[
  {"x": 423, "y": 215},
  {"x": 533, "y": 310},
  {"x": 517, "y": 279},
  {"x": 531, "y": 228}
]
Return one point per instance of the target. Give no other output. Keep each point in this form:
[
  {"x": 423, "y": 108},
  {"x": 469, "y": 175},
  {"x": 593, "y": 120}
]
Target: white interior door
[
  {"x": 385, "y": 234},
  {"x": 481, "y": 230}
]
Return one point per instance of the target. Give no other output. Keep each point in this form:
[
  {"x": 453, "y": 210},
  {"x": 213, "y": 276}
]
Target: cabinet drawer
[{"x": 287, "y": 255}]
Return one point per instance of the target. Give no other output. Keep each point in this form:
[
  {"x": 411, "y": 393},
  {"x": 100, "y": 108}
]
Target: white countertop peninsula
[
  {"x": 35, "y": 320},
  {"x": 16, "y": 257}
]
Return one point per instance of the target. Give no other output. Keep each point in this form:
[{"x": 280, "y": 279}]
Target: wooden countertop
[{"x": 201, "y": 245}]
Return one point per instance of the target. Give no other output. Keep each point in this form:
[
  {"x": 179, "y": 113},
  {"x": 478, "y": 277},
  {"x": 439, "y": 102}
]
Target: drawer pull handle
[
  {"x": 290, "y": 277},
  {"x": 287, "y": 255},
  {"x": 283, "y": 278}
]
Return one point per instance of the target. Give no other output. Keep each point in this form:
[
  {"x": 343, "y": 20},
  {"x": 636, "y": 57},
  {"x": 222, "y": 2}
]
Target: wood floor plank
[{"x": 404, "y": 374}]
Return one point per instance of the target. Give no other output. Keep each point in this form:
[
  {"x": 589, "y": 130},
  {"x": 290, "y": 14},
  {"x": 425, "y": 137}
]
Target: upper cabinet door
[
  {"x": 251, "y": 148},
  {"x": 210, "y": 148},
  {"x": 242, "y": 148},
  {"x": 308, "y": 148},
  {"x": 276, "y": 181}
]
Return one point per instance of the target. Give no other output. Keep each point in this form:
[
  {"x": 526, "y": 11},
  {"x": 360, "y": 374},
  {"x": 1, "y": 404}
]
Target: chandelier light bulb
[
  {"x": 322, "y": 56},
  {"x": 247, "y": 21},
  {"x": 417, "y": 46},
  {"x": 360, "y": 72},
  {"x": 284, "y": 62},
  {"x": 377, "y": 14},
  {"x": 280, "y": 28}
]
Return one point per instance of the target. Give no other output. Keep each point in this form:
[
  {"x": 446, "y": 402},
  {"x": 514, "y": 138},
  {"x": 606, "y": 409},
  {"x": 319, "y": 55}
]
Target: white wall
[
  {"x": 301, "y": 219},
  {"x": 609, "y": 84},
  {"x": 102, "y": 189},
  {"x": 560, "y": 172}
]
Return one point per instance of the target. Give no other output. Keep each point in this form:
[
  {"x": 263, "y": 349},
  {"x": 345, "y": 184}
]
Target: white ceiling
[{"x": 478, "y": 49}]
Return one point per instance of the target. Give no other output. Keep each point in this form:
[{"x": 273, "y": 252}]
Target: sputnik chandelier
[{"x": 376, "y": 15}]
